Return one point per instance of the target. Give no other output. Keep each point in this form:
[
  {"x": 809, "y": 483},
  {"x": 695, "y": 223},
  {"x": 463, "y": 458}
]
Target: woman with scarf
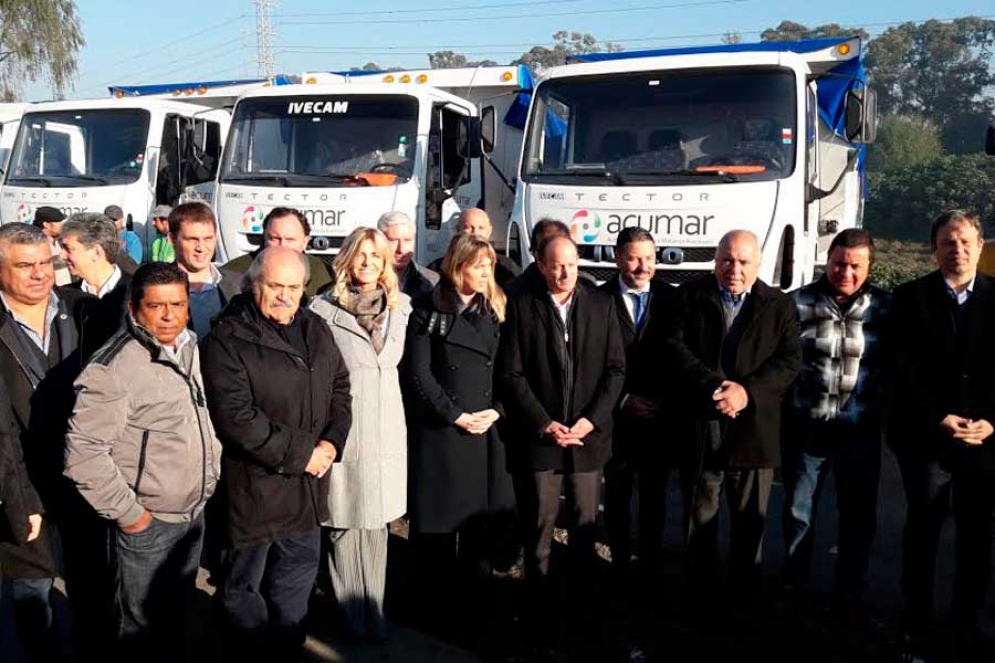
[
  {"x": 368, "y": 316},
  {"x": 460, "y": 498}
]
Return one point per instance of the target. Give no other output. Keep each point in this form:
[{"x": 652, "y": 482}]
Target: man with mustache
[{"x": 142, "y": 452}]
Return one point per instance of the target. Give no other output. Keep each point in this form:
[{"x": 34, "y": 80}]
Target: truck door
[
  {"x": 188, "y": 160},
  {"x": 451, "y": 184}
]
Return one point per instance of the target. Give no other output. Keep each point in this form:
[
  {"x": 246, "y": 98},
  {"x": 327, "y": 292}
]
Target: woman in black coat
[{"x": 458, "y": 481}]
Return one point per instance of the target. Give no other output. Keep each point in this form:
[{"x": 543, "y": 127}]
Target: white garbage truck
[
  {"x": 344, "y": 148},
  {"x": 690, "y": 143},
  {"x": 141, "y": 146}
]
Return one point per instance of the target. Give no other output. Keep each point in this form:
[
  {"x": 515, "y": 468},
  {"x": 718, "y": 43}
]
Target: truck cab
[
  {"x": 691, "y": 143},
  {"x": 344, "y": 148},
  {"x": 143, "y": 146}
]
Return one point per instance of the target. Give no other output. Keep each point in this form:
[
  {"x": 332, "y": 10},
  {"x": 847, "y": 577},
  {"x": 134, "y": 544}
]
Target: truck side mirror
[
  {"x": 861, "y": 115},
  {"x": 488, "y": 129},
  {"x": 469, "y": 141},
  {"x": 990, "y": 140}
]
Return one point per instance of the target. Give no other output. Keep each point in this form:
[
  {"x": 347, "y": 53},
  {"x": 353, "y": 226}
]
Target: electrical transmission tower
[{"x": 264, "y": 36}]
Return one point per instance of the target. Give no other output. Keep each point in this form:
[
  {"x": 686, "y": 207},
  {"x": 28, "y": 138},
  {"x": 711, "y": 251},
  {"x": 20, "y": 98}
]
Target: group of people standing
[{"x": 274, "y": 415}]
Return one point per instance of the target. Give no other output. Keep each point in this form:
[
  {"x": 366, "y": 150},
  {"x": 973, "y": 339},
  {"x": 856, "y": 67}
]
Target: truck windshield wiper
[
  {"x": 685, "y": 172},
  {"x": 38, "y": 180},
  {"x": 337, "y": 177},
  {"x": 604, "y": 174},
  {"x": 282, "y": 180},
  {"x": 88, "y": 178}
]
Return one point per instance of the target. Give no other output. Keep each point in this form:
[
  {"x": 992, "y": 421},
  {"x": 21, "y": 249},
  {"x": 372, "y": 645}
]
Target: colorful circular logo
[
  {"x": 252, "y": 219},
  {"x": 24, "y": 213},
  {"x": 585, "y": 226}
]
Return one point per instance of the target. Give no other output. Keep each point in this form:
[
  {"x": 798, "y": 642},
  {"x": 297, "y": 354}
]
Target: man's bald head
[
  {"x": 278, "y": 275},
  {"x": 474, "y": 221},
  {"x": 737, "y": 261}
]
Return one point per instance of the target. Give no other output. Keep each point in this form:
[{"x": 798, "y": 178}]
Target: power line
[
  {"x": 616, "y": 40},
  {"x": 424, "y": 10},
  {"x": 142, "y": 73},
  {"x": 677, "y": 5},
  {"x": 185, "y": 67},
  {"x": 210, "y": 28}
]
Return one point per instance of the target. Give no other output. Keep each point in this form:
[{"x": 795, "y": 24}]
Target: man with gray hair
[
  {"x": 734, "y": 345},
  {"x": 40, "y": 333},
  {"x": 399, "y": 230},
  {"x": 90, "y": 249}
]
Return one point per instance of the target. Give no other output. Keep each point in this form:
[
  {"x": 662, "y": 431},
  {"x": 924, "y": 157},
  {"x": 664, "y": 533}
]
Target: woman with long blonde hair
[
  {"x": 458, "y": 482},
  {"x": 368, "y": 317}
]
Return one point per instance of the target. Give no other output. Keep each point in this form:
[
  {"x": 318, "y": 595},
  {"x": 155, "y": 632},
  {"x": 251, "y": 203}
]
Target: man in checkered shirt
[{"x": 832, "y": 414}]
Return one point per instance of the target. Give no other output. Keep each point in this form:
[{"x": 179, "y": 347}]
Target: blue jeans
[
  {"x": 156, "y": 578},
  {"x": 26, "y": 618},
  {"x": 853, "y": 453},
  {"x": 265, "y": 592}
]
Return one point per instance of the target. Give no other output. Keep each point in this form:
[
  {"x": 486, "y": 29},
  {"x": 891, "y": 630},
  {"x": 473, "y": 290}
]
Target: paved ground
[{"x": 603, "y": 626}]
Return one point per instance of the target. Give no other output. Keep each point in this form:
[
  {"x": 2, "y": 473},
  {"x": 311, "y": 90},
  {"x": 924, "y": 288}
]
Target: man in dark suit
[
  {"x": 736, "y": 349},
  {"x": 943, "y": 374},
  {"x": 562, "y": 371},
  {"x": 638, "y": 453}
]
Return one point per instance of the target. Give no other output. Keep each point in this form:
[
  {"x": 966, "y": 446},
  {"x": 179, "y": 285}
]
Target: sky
[{"x": 139, "y": 42}]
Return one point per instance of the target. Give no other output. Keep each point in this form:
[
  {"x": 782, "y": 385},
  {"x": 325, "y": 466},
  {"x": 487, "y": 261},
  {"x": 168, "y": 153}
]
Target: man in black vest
[
  {"x": 943, "y": 373},
  {"x": 639, "y": 457},
  {"x": 562, "y": 371},
  {"x": 735, "y": 348}
]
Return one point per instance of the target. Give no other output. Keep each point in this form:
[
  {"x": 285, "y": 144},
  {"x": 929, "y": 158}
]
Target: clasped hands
[
  {"x": 730, "y": 398},
  {"x": 322, "y": 458},
  {"x": 569, "y": 436},
  {"x": 477, "y": 423},
  {"x": 968, "y": 431}
]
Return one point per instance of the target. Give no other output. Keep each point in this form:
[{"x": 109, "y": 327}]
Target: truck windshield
[
  {"x": 664, "y": 127},
  {"x": 75, "y": 148},
  {"x": 307, "y": 141}
]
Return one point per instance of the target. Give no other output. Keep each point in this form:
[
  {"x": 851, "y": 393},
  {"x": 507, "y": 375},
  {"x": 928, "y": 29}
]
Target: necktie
[{"x": 639, "y": 306}]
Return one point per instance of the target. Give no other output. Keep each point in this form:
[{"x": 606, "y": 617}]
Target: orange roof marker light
[
  {"x": 202, "y": 89},
  {"x": 422, "y": 78},
  {"x": 119, "y": 94},
  {"x": 311, "y": 81},
  {"x": 843, "y": 49},
  {"x": 389, "y": 78},
  {"x": 733, "y": 170},
  {"x": 507, "y": 76},
  {"x": 406, "y": 78}
]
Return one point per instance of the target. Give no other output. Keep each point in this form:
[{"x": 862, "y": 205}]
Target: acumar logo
[
  {"x": 252, "y": 219},
  {"x": 585, "y": 226},
  {"x": 24, "y": 213}
]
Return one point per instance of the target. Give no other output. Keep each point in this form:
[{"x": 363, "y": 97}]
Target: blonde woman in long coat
[{"x": 368, "y": 316}]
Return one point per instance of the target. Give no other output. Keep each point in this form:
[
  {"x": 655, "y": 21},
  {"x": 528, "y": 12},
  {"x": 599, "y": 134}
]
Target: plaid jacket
[{"x": 842, "y": 375}]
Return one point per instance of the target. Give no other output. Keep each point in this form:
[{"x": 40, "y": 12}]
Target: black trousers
[
  {"x": 747, "y": 492},
  {"x": 928, "y": 492},
  {"x": 583, "y": 492},
  {"x": 626, "y": 474}
]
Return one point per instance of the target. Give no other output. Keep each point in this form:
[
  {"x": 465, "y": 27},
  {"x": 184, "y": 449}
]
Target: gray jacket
[
  {"x": 140, "y": 435},
  {"x": 369, "y": 487}
]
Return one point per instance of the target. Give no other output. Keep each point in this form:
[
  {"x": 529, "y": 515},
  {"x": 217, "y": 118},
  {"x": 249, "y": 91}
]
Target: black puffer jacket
[{"x": 270, "y": 405}]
